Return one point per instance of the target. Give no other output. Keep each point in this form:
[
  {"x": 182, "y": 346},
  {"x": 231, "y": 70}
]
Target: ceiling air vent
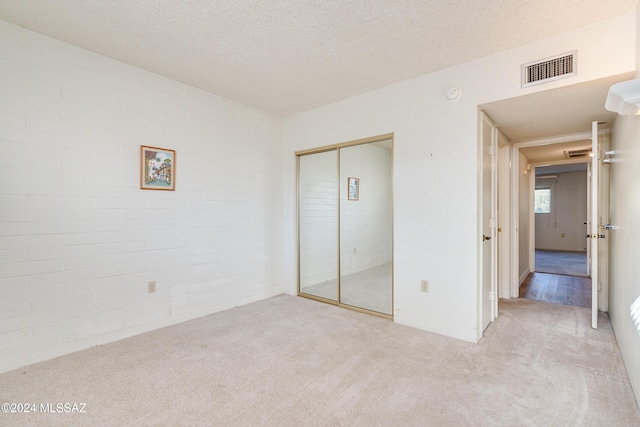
[
  {"x": 572, "y": 154},
  {"x": 550, "y": 69}
]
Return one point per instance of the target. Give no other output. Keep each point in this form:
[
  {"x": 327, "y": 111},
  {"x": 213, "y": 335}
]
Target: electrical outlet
[
  {"x": 151, "y": 287},
  {"x": 424, "y": 286}
]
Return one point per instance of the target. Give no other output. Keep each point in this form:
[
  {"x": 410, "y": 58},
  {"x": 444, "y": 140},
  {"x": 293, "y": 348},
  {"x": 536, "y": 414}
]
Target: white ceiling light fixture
[{"x": 624, "y": 98}]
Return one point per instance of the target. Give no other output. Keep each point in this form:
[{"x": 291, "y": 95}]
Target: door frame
[
  {"x": 599, "y": 209},
  {"x": 504, "y": 215},
  {"x": 515, "y": 161},
  {"x": 603, "y": 201},
  {"x": 594, "y": 231},
  {"x": 492, "y": 294}
]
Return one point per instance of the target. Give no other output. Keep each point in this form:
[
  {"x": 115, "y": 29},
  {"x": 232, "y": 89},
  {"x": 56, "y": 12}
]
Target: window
[{"x": 543, "y": 200}]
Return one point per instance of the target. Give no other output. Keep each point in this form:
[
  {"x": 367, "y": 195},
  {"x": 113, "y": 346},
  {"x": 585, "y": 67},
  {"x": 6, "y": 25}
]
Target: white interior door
[
  {"x": 489, "y": 248},
  {"x": 603, "y": 224},
  {"x": 589, "y": 213},
  {"x": 493, "y": 223},
  {"x": 594, "y": 224}
]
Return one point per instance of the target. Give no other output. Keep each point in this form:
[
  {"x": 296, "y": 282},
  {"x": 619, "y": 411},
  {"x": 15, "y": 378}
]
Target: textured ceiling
[
  {"x": 288, "y": 56},
  {"x": 563, "y": 111},
  {"x": 543, "y": 154},
  {"x": 569, "y": 167},
  {"x": 554, "y": 113}
]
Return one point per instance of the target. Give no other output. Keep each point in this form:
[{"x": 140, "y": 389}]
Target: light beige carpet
[{"x": 288, "y": 361}]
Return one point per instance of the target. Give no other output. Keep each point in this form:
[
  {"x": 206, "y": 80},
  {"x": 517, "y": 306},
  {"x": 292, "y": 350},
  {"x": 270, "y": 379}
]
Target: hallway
[
  {"x": 557, "y": 289},
  {"x": 560, "y": 278}
]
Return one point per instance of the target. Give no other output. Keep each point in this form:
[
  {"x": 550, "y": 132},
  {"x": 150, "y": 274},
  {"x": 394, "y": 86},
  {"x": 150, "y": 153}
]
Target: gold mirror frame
[{"x": 337, "y": 147}]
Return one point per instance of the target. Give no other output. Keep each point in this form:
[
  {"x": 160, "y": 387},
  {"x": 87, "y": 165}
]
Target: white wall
[
  {"x": 436, "y": 165},
  {"x": 524, "y": 216},
  {"x": 624, "y": 249},
  {"x": 624, "y": 282},
  {"x": 365, "y": 224},
  {"x": 563, "y": 229},
  {"x": 79, "y": 240}
]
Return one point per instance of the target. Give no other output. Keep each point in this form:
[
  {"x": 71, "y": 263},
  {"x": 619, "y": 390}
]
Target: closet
[{"x": 345, "y": 225}]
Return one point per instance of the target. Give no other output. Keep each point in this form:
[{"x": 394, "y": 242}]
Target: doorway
[
  {"x": 345, "y": 225},
  {"x": 560, "y": 274},
  {"x": 554, "y": 210},
  {"x": 562, "y": 288},
  {"x": 561, "y": 213},
  {"x": 529, "y": 120}
]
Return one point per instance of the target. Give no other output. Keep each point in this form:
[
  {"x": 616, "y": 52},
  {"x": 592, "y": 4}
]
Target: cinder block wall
[{"x": 79, "y": 240}]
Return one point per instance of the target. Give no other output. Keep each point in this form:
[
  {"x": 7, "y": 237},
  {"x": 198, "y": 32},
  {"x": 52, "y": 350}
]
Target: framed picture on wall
[
  {"x": 353, "y": 188},
  {"x": 157, "y": 168}
]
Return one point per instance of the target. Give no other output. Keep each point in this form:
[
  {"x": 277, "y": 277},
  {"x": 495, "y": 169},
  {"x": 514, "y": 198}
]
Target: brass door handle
[{"x": 485, "y": 238}]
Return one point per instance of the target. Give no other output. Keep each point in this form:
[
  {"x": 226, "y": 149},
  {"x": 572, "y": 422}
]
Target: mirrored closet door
[
  {"x": 318, "y": 224},
  {"x": 345, "y": 219}
]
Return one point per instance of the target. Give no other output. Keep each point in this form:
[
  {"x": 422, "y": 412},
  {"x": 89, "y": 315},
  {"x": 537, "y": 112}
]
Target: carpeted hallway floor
[{"x": 288, "y": 361}]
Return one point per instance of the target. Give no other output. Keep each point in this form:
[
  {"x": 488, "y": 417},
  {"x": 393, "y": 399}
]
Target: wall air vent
[
  {"x": 572, "y": 154},
  {"x": 550, "y": 69}
]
